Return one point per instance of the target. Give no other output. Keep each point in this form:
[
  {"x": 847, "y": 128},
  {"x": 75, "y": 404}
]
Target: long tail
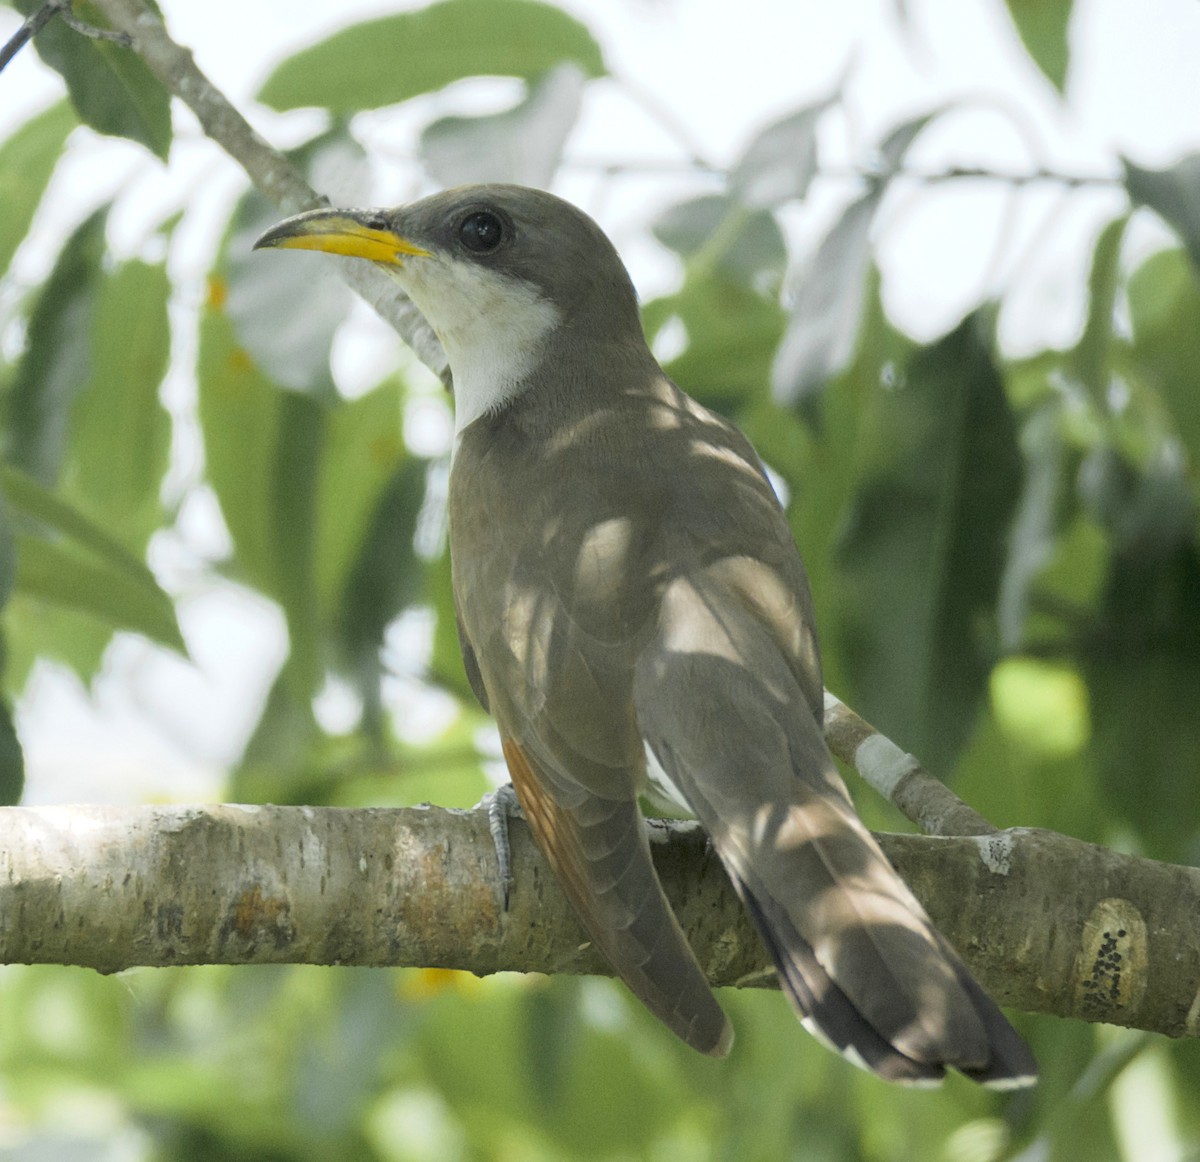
[
  {"x": 598, "y": 850},
  {"x": 856, "y": 954}
]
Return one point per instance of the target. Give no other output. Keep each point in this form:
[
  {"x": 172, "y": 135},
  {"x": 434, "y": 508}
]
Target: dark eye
[{"x": 481, "y": 231}]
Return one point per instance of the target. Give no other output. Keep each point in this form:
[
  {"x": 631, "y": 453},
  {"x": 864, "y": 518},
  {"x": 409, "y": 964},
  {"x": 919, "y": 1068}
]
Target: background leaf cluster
[{"x": 1005, "y": 555}]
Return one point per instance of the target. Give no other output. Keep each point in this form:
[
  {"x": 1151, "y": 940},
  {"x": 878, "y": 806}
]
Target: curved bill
[{"x": 354, "y": 233}]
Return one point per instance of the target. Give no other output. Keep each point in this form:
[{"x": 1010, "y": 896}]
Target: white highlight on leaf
[{"x": 523, "y": 144}]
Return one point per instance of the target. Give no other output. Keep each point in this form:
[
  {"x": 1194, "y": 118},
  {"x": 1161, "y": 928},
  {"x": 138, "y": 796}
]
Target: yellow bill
[{"x": 356, "y": 234}]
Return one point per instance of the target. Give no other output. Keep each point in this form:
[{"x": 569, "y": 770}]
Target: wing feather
[{"x": 599, "y": 852}]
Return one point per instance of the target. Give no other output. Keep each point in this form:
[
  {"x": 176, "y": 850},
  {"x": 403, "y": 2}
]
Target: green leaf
[
  {"x": 57, "y": 360},
  {"x": 522, "y": 145},
  {"x": 239, "y": 416},
  {"x": 1073, "y": 578},
  {"x": 386, "y": 579},
  {"x": 1042, "y": 706},
  {"x": 819, "y": 460},
  {"x": 828, "y": 298},
  {"x": 1043, "y": 25},
  {"x": 110, "y": 87},
  {"x": 27, "y": 497},
  {"x": 1173, "y": 194},
  {"x": 780, "y": 162},
  {"x": 27, "y": 159},
  {"x": 1142, "y": 663},
  {"x": 127, "y": 595},
  {"x": 716, "y": 234},
  {"x": 276, "y": 765},
  {"x": 595, "y": 1110},
  {"x": 1164, "y": 303},
  {"x": 446, "y": 664},
  {"x": 299, "y": 447},
  {"x": 382, "y": 62},
  {"x": 1036, "y": 522},
  {"x": 894, "y": 147},
  {"x": 12, "y": 760},
  {"x": 263, "y": 448},
  {"x": 59, "y": 573},
  {"x": 8, "y": 558},
  {"x": 120, "y": 432},
  {"x": 35, "y": 630},
  {"x": 924, "y": 551},
  {"x": 370, "y": 495},
  {"x": 363, "y": 450},
  {"x": 1092, "y": 356},
  {"x": 731, "y": 332},
  {"x": 1022, "y": 766},
  {"x": 1077, "y": 1121},
  {"x": 827, "y": 306},
  {"x": 286, "y": 306}
]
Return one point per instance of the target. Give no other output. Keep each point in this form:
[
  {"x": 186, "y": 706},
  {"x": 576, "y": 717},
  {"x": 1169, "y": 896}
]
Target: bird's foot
[{"x": 502, "y": 804}]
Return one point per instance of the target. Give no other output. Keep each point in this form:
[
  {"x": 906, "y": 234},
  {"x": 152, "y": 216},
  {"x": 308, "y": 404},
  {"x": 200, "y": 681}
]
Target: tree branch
[
  {"x": 271, "y": 172},
  {"x": 898, "y": 776},
  {"x": 34, "y": 23},
  {"x": 1049, "y": 924}
]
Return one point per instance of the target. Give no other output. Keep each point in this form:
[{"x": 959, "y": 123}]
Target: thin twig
[
  {"x": 47, "y": 12},
  {"x": 956, "y": 173},
  {"x": 667, "y": 119},
  {"x": 92, "y": 32},
  {"x": 270, "y": 171},
  {"x": 32, "y": 26},
  {"x": 897, "y": 776},
  {"x": 174, "y": 67},
  {"x": 842, "y": 173}
]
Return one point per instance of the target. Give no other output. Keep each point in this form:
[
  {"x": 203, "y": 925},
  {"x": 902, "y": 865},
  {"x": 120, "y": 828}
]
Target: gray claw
[{"x": 502, "y": 803}]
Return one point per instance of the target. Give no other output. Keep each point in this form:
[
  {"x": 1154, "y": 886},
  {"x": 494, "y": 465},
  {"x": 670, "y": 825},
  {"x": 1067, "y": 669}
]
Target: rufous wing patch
[
  {"x": 552, "y": 828},
  {"x": 600, "y": 856}
]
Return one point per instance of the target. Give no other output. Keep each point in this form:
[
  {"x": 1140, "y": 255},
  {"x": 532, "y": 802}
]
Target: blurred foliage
[
  {"x": 110, "y": 88},
  {"x": 381, "y": 62},
  {"x": 1005, "y": 556},
  {"x": 1043, "y": 25}
]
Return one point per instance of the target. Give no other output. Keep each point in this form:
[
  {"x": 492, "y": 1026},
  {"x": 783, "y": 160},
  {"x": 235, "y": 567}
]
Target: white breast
[{"x": 493, "y": 328}]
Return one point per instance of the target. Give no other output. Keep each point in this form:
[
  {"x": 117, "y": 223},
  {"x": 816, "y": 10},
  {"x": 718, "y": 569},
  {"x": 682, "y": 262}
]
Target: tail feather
[
  {"x": 827, "y": 889},
  {"x": 600, "y": 855},
  {"x": 825, "y": 1010},
  {"x": 1010, "y": 1063},
  {"x": 856, "y": 954}
]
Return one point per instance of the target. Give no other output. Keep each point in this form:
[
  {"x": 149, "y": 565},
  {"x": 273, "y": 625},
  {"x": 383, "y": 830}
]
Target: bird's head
[{"x": 506, "y": 276}]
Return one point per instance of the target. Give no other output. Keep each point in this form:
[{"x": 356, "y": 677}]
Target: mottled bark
[{"x": 1048, "y": 923}]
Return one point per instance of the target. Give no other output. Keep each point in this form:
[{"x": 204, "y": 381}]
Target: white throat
[{"x": 492, "y": 326}]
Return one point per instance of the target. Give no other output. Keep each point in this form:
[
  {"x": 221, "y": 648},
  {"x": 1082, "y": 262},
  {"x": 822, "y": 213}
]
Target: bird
[{"x": 634, "y": 613}]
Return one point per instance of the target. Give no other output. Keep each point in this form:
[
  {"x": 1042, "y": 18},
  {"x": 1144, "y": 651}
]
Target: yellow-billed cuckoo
[{"x": 632, "y": 608}]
